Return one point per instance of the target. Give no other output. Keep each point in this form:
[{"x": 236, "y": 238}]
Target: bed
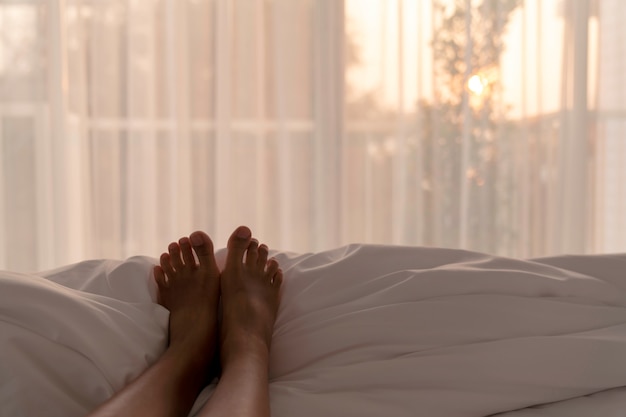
[{"x": 362, "y": 330}]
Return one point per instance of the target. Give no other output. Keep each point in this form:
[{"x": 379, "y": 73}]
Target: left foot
[{"x": 190, "y": 290}]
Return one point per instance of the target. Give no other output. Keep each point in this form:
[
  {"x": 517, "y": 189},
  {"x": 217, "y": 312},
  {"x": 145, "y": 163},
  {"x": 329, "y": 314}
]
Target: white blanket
[{"x": 362, "y": 331}]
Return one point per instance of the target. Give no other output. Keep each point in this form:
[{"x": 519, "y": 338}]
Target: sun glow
[{"x": 477, "y": 84}]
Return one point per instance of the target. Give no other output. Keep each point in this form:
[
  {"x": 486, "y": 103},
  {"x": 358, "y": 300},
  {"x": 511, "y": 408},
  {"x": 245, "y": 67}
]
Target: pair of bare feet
[
  {"x": 249, "y": 288},
  {"x": 191, "y": 289}
]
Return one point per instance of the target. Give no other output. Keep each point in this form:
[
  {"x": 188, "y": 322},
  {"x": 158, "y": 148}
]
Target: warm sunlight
[
  {"x": 377, "y": 121},
  {"x": 395, "y": 56},
  {"x": 477, "y": 84},
  {"x": 392, "y": 60}
]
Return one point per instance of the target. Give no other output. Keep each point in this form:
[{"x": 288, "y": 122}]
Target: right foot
[
  {"x": 250, "y": 299},
  {"x": 190, "y": 291}
]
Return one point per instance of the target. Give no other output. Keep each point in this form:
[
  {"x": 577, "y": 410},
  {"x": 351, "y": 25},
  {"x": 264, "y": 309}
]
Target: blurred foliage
[
  {"x": 455, "y": 121},
  {"x": 459, "y": 120}
]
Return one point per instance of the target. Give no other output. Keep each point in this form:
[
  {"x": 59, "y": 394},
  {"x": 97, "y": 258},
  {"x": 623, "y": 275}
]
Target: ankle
[
  {"x": 192, "y": 353},
  {"x": 244, "y": 349}
]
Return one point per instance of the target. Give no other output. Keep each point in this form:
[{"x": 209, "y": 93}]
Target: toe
[
  {"x": 277, "y": 279},
  {"x": 252, "y": 254},
  {"x": 166, "y": 264},
  {"x": 203, "y": 246},
  {"x": 159, "y": 277},
  {"x": 237, "y": 245},
  {"x": 263, "y": 254},
  {"x": 185, "y": 248},
  {"x": 271, "y": 269},
  {"x": 175, "y": 258}
]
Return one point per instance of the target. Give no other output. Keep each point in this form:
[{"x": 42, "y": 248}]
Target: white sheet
[
  {"x": 362, "y": 331},
  {"x": 64, "y": 350}
]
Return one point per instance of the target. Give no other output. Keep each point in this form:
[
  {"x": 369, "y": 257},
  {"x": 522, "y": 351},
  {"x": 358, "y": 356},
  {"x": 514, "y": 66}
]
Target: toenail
[
  {"x": 196, "y": 240},
  {"x": 243, "y": 233}
]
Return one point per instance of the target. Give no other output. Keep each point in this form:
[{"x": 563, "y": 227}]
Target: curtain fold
[{"x": 491, "y": 125}]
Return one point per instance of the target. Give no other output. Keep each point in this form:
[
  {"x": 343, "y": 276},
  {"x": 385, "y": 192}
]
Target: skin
[{"x": 249, "y": 286}]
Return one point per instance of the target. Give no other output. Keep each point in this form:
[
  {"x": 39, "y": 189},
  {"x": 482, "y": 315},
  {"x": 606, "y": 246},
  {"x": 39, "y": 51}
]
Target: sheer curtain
[{"x": 489, "y": 125}]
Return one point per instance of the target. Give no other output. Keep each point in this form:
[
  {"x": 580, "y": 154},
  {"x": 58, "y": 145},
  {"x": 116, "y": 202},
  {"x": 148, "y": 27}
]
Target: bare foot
[
  {"x": 190, "y": 291},
  {"x": 250, "y": 297}
]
